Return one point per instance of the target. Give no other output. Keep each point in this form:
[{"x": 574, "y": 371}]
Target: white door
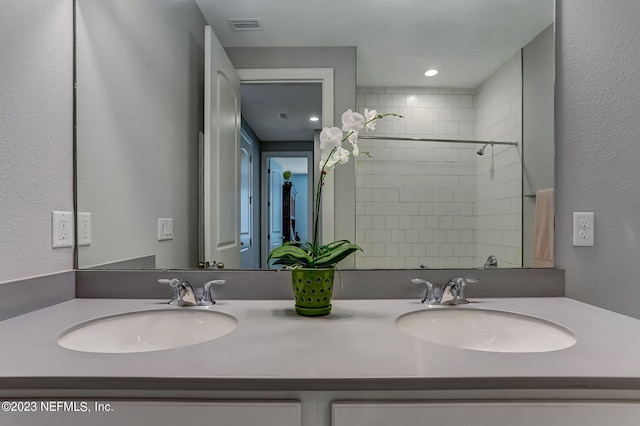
[
  {"x": 222, "y": 155},
  {"x": 275, "y": 204},
  {"x": 246, "y": 199}
]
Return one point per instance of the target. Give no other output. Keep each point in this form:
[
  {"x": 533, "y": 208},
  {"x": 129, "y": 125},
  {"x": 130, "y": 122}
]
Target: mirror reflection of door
[
  {"x": 246, "y": 200},
  {"x": 278, "y": 203},
  {"x": 275, "y": 203},
  {"x": 222, "y": 159}
]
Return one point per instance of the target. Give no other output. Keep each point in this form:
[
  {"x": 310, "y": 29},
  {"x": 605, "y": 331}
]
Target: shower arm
[{"x": 415, "y": 139}]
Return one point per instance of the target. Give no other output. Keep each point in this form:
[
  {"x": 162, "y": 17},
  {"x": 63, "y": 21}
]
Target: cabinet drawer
[
  {"x": 153, "y": 412},
  {"x": 484, "y": 414}
]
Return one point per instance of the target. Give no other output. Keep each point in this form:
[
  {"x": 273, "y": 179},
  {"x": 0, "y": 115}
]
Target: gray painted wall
[
  {"x": 36, "y": 134},
  {"x": 598, "y": 149},
  {"x": 537, "y": 127},
  {"x": 140, "y": 108}
]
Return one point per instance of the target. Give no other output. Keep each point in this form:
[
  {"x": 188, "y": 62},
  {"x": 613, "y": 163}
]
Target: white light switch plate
[
  {"x": 165, "y": 229},
  {"x": 583, "y": 229},
  {"x": 61, "y": 229}
]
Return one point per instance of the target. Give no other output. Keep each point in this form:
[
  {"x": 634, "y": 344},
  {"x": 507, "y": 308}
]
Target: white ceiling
[
  {"x": 262, "y": 105},
  {"x": 398, "y": 40}
]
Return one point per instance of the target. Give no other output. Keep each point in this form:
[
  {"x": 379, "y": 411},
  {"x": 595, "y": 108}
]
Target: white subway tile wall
[
  {"x": 499, "y": 181},
  {"x": 440, "y": 204}
]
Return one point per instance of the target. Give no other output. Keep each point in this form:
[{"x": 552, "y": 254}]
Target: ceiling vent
[
  {"x": 248, "y": 24},
  {"x": 283, "y": 116}
]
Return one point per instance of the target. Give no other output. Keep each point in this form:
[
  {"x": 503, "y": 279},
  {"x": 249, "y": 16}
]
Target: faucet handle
[
  {"x": 183, "y": 294},
  {"x": 207, "y": 300},
  {"x": 491, "y": 263},
  {"x": 460, "y": 284},
  {"x": 175, "y": 293},
  {"x": 429, "y": 297}
]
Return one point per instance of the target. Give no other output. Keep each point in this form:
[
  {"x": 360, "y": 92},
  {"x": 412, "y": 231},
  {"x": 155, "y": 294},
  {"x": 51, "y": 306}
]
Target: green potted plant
[{"x": 313, "y": 264}]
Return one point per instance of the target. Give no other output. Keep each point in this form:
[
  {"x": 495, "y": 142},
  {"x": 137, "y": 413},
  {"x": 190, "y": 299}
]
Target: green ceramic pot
[{"x": 312, "y": 289}]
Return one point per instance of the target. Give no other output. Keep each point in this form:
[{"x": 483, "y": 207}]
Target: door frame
[
  {"x": 254, "y": 211},
  {"x": 264, "y": 195},
  {"x": 306, "y": 75}
]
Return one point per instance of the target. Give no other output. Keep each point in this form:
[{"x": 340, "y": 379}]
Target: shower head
[{"x": 481, "y": 150}]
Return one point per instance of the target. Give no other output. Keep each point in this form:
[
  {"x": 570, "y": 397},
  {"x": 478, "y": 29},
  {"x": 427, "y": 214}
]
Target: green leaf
[
  {"x": 337, "y": 243},
  {"x": 335, "y": 255},
  {"x": 294, "y": 254},
  {"x": 290, "y": 254}
]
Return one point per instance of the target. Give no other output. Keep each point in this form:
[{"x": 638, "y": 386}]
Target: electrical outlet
[
  {"x": 165, "y": 229},
  {"x": 61, "y": 229},
  {"x": 84, "y": 229},
  {"x": 583, "y": 229}
]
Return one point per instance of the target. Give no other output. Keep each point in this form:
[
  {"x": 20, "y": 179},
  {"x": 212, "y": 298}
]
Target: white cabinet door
[
  {"x": 156, "y": 413},
  {"x": 485, "y": 414}
]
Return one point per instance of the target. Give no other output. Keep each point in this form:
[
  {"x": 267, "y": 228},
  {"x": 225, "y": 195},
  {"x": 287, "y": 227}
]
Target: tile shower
[{"x": 436, "y": 203}]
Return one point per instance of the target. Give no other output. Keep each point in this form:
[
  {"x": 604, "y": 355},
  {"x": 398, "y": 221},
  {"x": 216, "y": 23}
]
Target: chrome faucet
[
  {"x": 207, "y": 298},
  {"x": 452, "y": 293},
  {"x": 429, "y": 297},
  {"x": 491, "y": 262},
  {"x": 184, "y": 295}
]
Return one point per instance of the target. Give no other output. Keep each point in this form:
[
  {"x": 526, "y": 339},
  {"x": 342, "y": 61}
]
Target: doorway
[
  {"x": 324, "y": 77},
  {"x": 222, "y": 147},
  {"x": 284, "y": 118},
  {"x": 287, "y": 198}
]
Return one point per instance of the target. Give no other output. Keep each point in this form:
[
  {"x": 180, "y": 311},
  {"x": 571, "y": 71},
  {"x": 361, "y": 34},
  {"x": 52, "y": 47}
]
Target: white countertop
[{"x": 358, "y": 346}]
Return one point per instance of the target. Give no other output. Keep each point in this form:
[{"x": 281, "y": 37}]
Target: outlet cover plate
[
  {"x": 61, "y": 229},
  {"x": 583, "y": 229},
  {"x": 84, "y": 229}
]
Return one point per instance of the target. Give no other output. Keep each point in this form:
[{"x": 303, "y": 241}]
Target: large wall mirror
[{"x": 168, "y": 179}]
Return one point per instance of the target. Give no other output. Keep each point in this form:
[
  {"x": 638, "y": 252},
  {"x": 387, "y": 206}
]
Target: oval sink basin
[
  {"x": 486, "y": 330},
  {"x": 147, "y": 331}
]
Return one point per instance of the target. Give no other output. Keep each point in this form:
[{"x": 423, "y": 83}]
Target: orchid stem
[{"x": 315, "y": 248}]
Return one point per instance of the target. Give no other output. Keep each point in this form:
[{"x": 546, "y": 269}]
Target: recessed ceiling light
[
  {"x": 313, "y": 118},
  {"x": 431, "y": 73}
]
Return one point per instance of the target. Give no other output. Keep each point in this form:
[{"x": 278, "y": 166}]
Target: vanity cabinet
[
  {"x": 156, "y": 413},
  {"x": 484, "y": 413},
  {"x": 310, "y": 408}
]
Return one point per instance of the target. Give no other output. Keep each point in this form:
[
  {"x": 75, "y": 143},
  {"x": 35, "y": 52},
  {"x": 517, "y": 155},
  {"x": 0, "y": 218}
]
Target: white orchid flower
[
  {"x": 370, "y": 115},
  {"x": 323, "y": 161},
  {"x": 352, "y": 121},
  {"x": 356, "y": 150},
  {"x": 341, "y": 155},
  {"x": 353, "y": 137},
  {"x": 330, "y": 137}
]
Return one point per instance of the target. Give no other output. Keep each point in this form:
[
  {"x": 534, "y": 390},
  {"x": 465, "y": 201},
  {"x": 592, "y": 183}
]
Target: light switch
[{"x": 165, "y": 229}]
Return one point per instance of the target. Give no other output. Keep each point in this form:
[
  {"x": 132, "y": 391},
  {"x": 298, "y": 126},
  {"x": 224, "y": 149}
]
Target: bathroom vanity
[{"x": 353, "y": 367}]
